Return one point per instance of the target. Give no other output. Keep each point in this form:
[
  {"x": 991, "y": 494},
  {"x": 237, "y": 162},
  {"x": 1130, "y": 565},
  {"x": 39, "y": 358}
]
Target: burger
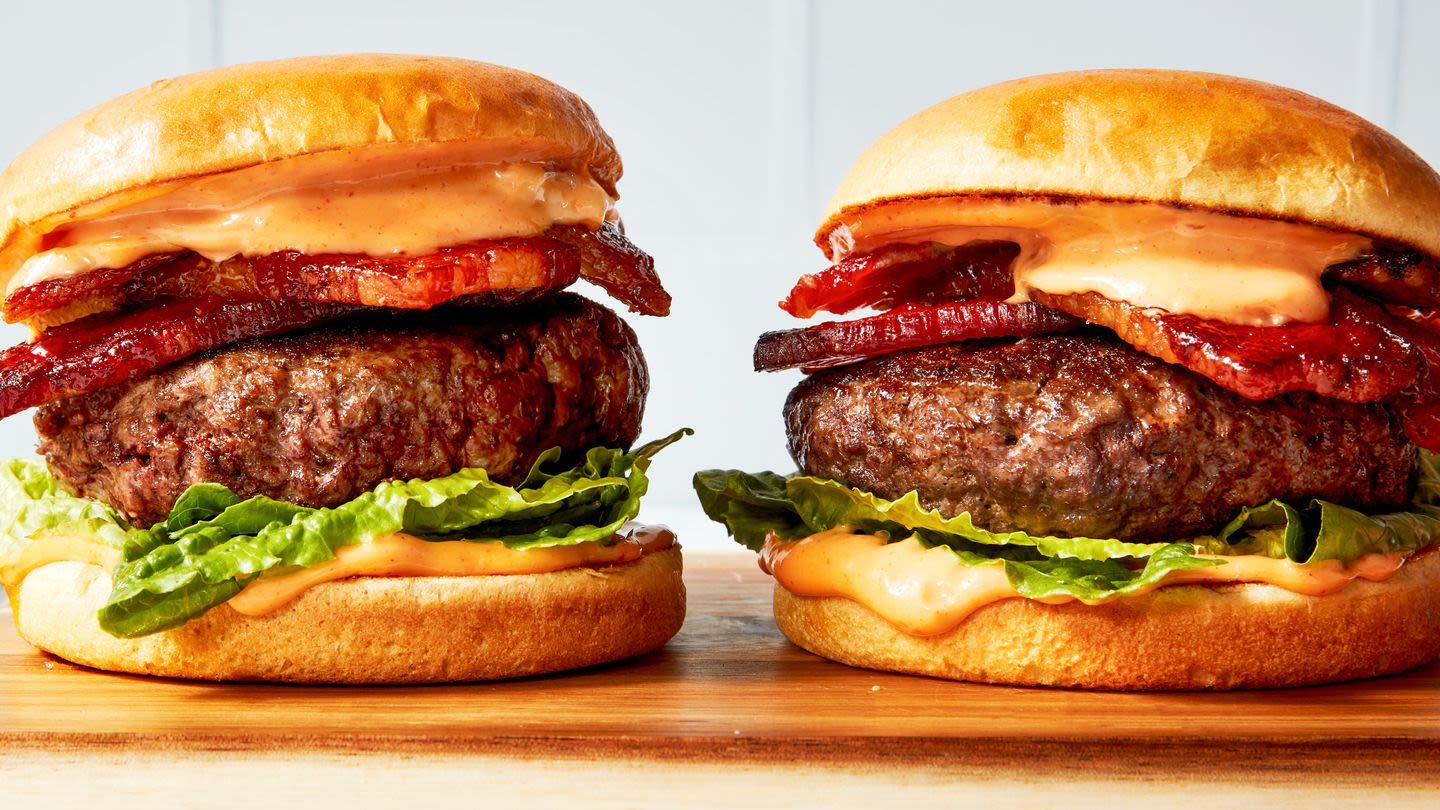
[
  {"x": 1144, "y": 399},
  {"x": 313, "y": 403}
]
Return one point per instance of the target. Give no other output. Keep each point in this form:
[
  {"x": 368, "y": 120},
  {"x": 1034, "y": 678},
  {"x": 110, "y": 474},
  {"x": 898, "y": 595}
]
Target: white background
[{"x": 735, "y": 120}]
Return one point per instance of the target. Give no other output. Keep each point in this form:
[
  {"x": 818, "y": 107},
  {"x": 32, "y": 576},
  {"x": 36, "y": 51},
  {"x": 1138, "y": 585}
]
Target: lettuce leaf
[
  {"x": 820, "y": 502},
  {"x": 33, "y": 506},
  {"x": 751, "y": 504},
  {"x": 214, "y": 543},
  {"x": 1094, "y": 579}
]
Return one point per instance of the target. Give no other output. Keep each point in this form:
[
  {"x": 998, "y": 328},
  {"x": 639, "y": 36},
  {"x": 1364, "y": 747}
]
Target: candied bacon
[
  {"x": 1392, "y": 275},
  {"x": 549, "y": 262},
  {"x": 1429, "y": 319},
  {"x": 405, "y": 282},
  {"x": 926, "y": 273},
  {"x": 839, "y": 343},
  {"x": 402, "y": 282},
  {"x": 1418, "y": 406},
  {"x": 102, "y": 350},
  {"x": 47, "y": 296},
  {"x": 620, "y": 268},
  {"x": 1358, "y": 356}
]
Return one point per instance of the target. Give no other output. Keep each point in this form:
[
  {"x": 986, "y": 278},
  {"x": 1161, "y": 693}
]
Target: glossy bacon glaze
[
  {"x": 926, "y": 273},
  {"x": 107, "y": 349},
  {"x": 839, "y": 343},
  {"x": 1357, "y": 356},
  {"x": 402, "y": 282},
  {"x": 1364, "y": 353},
  {"x": 165, "y": 308}
]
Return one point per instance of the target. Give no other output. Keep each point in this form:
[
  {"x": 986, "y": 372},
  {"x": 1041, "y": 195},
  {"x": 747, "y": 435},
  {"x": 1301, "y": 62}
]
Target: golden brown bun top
[
  {"x": 245, "y": 115},
  {"x": 1190, "y": 139}
]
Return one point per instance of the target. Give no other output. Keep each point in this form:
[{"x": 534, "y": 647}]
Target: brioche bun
[
  {"x": 1196, "y": 140},
  {"x": 246, "y": 115},
  {"x": 377, "y": 629},
  {"x": 1181, "y": 637}
]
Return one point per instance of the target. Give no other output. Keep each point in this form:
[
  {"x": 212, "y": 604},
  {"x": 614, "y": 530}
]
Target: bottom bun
[
  {"x": 1182, "y": 637},
  {"x": 378, "y": 629}
]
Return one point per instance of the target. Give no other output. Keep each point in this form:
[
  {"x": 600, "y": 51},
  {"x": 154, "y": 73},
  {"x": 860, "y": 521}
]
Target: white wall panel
[
  {"x": 60, "y": 58},
  {"x": 1417, "y": 78}
]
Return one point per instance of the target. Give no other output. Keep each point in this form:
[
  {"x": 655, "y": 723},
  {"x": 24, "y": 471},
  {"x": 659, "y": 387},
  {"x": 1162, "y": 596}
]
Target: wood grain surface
[{"x": 731, "y": 689}]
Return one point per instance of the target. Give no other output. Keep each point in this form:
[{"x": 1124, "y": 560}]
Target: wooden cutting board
[{"x": 730, "y": 691}]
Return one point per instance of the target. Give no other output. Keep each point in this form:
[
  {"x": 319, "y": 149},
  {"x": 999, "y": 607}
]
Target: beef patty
[
  {"x": 1080, "y": 435},
  {"x": 318, "y": 417}
]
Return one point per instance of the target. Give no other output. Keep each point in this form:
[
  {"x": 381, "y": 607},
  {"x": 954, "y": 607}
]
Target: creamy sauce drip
[
  {"x": 42, "y": 552},
  {"x": 390, "y": 555},
  {"x": 380, "y": 202},
  {"x": 1236, "y": 269},
  {"x": 400, "y": 555},
  {"x": 927, "y": 592}
]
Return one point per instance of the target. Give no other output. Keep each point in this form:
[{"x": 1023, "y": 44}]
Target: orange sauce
[
  {"x": 926, "y": 592},
  {"x": 400, "y": 555}
]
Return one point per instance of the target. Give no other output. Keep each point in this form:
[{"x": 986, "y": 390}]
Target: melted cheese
[
  {"x": 380, "y": 201},
  {"x": 1236, "y": 269},
  {"x": 400, "y": 555},
  {"x": 926, "y": 592}
]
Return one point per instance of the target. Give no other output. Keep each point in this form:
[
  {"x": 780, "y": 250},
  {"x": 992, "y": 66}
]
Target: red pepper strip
[
  {"x": 928, "y": 273},
  {"x": 839, "y": 343},
  {"x": 102, "y": 350}
]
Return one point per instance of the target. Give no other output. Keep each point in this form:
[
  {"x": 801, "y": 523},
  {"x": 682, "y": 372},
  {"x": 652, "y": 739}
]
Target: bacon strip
[
  {"x": 1418, "y": 406},
  {"x": 106, "y": 349},
  {"x": 549, "y": 262},
  {"x": 1357, "y": 356},
  {"x": 839, "y": 343},
  {"x": 1392, "y": 275},
  {"x": 405, "y": 282},
  {"x": 928, "y": 273},
  {"x": 28, "y": 302},
  {"x": 614, "y": 263}
]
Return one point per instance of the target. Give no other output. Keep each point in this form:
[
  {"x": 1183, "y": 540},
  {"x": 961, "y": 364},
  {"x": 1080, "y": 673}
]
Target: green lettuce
[
  {"x": 32, "y": 505},
  {"x": 751, "y": 505},
  {"x": 1092, "y": 579},
  {"x": 214, "y": 543}
]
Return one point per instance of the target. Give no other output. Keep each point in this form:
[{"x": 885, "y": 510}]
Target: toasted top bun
[
  {"x": 242, "y": 116},
  {"x": 1189, "y": 139}
]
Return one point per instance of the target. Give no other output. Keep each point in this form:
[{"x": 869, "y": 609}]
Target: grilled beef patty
[
  {"x": 1081, "y": 435},
  {"x": 318, "y": 417}
]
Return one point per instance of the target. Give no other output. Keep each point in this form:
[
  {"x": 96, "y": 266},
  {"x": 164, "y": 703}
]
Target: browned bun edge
[
  {"x": 1182, "y": 637},
  {"x": 1196, "y": 140},
  {"x": 241, "y": 116},
  {"x": 378, "y": 629}
]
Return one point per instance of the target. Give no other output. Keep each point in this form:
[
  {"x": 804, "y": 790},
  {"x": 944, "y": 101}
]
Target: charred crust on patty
[
  {"x": 1079, "y": 435},
  {"x": 319, "y": 417}
]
